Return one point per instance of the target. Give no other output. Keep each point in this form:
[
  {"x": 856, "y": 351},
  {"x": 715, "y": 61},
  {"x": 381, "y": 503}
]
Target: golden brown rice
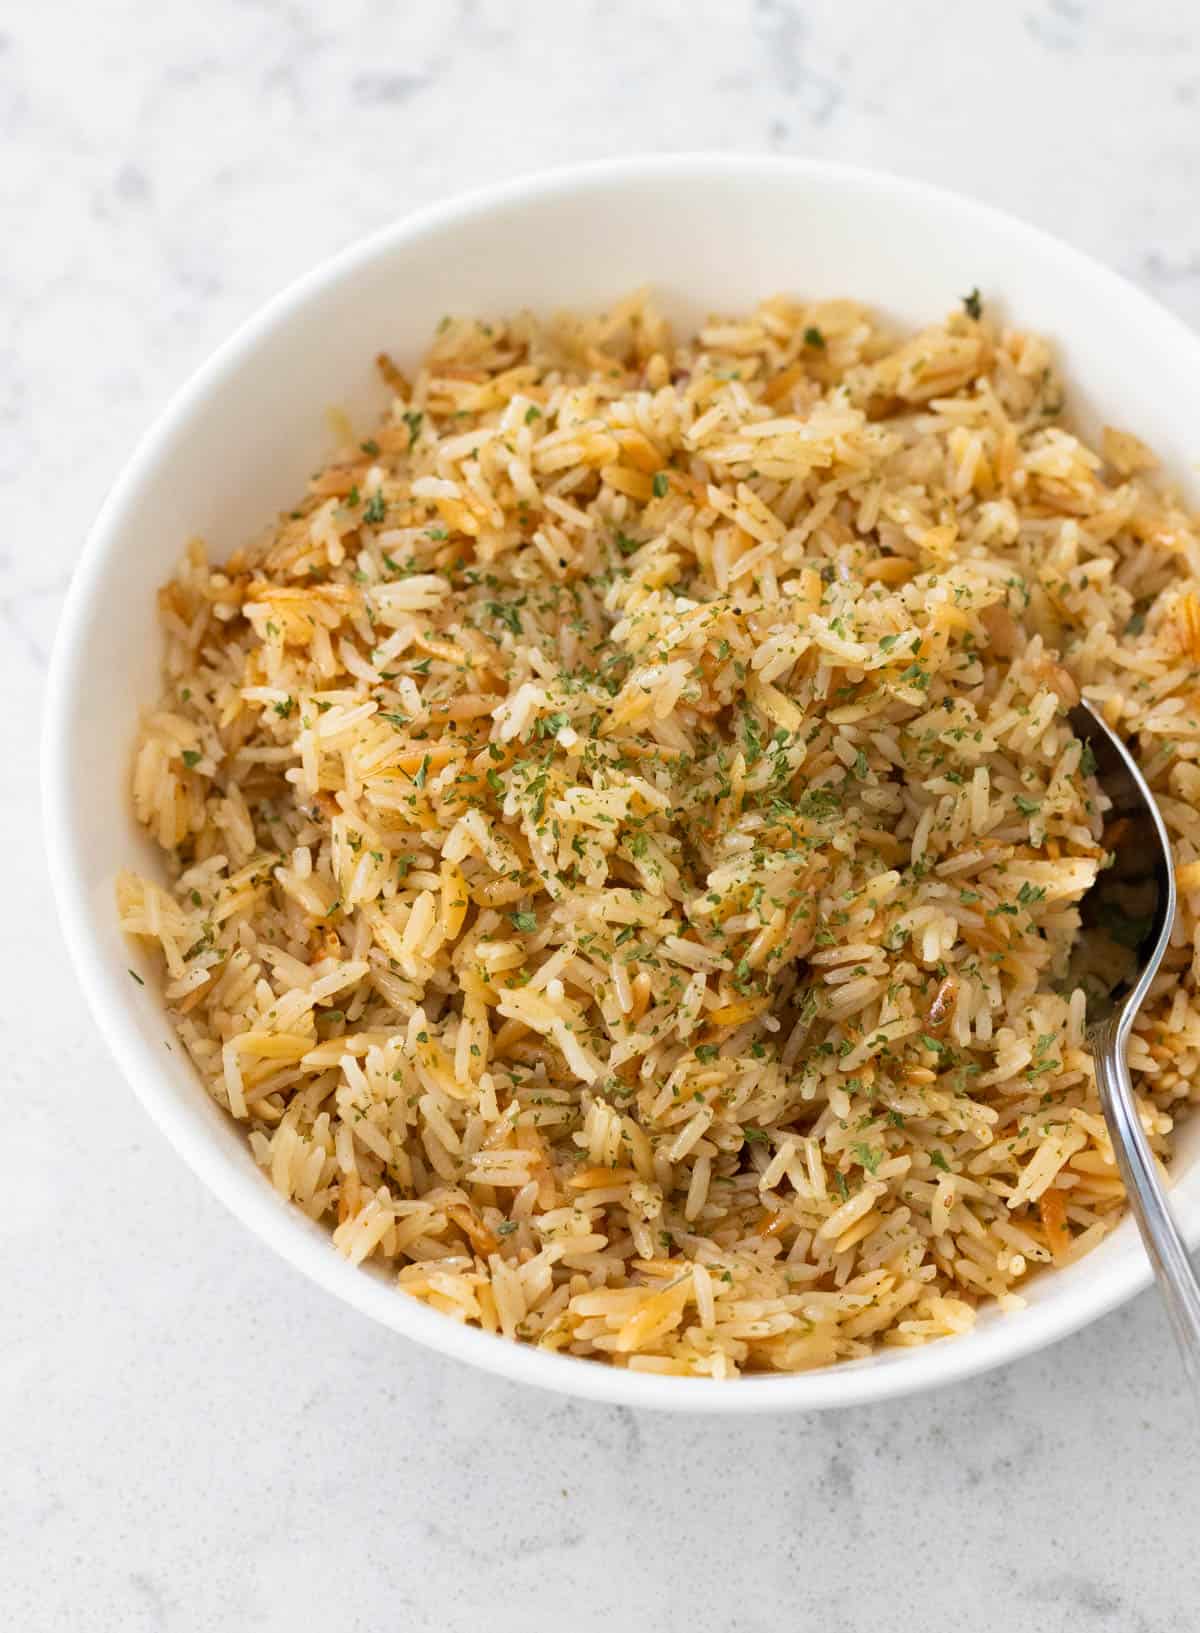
[{"x": 625, "y": 837}]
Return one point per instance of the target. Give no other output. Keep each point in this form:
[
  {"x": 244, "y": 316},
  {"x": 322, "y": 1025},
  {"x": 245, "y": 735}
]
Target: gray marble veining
[{"x": 192, "y": 1437}]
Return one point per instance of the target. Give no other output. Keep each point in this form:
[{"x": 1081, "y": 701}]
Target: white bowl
[{"x": 707, "y": 232}]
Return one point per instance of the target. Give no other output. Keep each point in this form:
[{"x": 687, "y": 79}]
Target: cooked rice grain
[{"x": 625, "y": 836}]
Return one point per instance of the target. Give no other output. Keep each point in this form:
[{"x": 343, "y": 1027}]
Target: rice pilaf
[{"x": 625, "y": 836}]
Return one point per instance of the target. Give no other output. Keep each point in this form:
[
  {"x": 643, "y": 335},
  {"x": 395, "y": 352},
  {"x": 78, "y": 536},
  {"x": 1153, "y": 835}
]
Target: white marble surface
[{"x": 190, "y": 1436}]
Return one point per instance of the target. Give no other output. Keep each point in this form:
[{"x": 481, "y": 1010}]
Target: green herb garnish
[{"x": 506, "y": 615}]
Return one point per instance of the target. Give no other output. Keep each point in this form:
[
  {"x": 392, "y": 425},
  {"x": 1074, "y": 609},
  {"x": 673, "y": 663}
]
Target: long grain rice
[{"x": 625, "y": 835}]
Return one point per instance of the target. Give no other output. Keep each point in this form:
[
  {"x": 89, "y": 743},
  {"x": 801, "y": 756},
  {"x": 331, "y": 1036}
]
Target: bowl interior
[{"x": 237, "y": 445}]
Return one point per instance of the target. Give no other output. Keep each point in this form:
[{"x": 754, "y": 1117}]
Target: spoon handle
[{"x": 1165, "y": 1247}]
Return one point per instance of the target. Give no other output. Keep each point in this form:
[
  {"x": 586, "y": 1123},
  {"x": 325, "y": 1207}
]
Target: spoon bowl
[{"x": 1132, "y": 907}]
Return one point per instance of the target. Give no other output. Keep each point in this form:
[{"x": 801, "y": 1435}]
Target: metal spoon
[{"x": 1134, "y": 903}]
